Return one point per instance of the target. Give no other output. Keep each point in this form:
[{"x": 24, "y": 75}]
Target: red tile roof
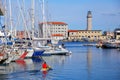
[
  {"x": 72, "y": 30},
  {"x": 1, "y": 54},
  {"x": 58, "y": 23},
  {"x": 57, "y": 34}
]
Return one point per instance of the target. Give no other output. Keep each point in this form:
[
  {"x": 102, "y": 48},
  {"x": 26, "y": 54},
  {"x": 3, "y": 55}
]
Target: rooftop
[
  {"x": 54, "y": 23},
  {"x": 57, "y": 34},
  {"x": 72, "y": 30}
]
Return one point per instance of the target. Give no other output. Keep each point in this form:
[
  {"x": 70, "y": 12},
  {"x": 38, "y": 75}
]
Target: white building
[
  {"x": 55, "y": 30},
  {"x": 117, "y": 33}
]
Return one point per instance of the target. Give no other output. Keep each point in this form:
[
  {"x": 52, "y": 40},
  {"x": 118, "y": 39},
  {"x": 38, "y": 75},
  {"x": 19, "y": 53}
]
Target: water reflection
[
  {"x": 53, "y": 60},
  {"x": 30, "y": 66},
  {"x": 13, "y": 67},
  {"x": 19, "y": 65},
  {"x": 89, "y": 61}
]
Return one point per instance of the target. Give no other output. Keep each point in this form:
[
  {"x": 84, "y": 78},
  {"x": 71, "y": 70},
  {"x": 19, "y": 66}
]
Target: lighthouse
[{"x": 89, "y": 20}]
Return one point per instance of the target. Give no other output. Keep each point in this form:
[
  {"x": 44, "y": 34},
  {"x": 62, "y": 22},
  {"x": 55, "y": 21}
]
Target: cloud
[{"x": 111, "y": 14}]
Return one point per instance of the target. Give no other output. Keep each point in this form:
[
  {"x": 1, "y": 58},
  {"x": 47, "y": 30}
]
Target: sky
[{"x": 105, "y": 13}]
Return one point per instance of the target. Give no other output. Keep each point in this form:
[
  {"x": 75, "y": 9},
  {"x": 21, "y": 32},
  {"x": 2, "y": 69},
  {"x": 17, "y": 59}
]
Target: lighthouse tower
[{"x": 89, "y": 20}]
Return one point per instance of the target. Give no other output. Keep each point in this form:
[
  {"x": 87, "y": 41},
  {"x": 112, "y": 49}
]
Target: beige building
[
  {"x": 109, "y": 35},
  {"x": 73, "y": 35},
  {"x": 86, "y": 35}
]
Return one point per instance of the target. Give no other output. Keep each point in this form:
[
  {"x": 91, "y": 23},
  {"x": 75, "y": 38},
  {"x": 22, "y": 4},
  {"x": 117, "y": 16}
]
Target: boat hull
[
  {"x": 38, "y": 53},
  {"x": 110, "y": 45},
  {"x": 57, "y": 52}
]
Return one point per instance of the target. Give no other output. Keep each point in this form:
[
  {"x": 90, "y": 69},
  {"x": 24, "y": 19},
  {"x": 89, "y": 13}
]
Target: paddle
[{"x": 50, "y": 68}]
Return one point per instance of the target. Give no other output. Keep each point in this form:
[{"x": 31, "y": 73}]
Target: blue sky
[{"x": 106, "y": 13}]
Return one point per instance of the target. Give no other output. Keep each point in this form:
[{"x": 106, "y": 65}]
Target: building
[
  {"x": 72, "y": 35},
  {"x": 117, "y": 33},
  {"x": 88, "y": 34},
  {"x": 56, "y": 30},
  {"x": 109, "y": 35},
  {"x": 85, "y": 35},
  {"x": 89, "y": 20},
  {"x": 22, "y": 34}
]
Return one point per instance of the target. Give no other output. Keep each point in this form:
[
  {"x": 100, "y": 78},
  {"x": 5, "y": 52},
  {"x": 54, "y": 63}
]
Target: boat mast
[
  {"x": 11, "y": 25},
  {"x": 33, "y": 22},
  {"x": 23, "y": 17},
  {"x": 44, "y": 24},
  {"x": 5, "y": 14}
]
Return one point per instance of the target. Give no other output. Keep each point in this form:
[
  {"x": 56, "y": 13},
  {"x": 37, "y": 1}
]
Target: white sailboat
[
  {"x": 13, "y": 52},
  {"x": 53, "y": 49}
]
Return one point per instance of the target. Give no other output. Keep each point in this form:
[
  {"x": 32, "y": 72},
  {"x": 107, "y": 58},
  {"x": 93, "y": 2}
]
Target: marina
[
  {"x": 31, "y": 41},
  {"x": 85, "y": 62},
  {"x": 37, "y": 46}
]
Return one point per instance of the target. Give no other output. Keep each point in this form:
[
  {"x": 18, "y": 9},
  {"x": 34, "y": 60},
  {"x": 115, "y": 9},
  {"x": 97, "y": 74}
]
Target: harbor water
[{"x": 85, "y": 63}]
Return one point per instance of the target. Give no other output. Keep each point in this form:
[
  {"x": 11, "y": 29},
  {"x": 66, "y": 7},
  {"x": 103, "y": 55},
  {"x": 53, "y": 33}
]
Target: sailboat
[
  {"x": 32, "y": 51},
  {"x": 51, "y": 47},
  {"x": 10, "y": 51},
  {"x": 37, "y": 51}
]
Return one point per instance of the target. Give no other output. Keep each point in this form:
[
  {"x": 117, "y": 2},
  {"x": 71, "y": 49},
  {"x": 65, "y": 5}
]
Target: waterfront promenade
[{"x": 85, "y": 63}]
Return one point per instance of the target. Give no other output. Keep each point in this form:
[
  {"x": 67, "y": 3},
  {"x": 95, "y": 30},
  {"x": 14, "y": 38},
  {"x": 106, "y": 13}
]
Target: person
[
  {"x": 44, "y": 66},
  {"x": 44, "y": 69}
]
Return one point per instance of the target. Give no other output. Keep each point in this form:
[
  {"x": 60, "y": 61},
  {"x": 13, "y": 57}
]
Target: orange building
[{"x": 21, "y": 34}]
